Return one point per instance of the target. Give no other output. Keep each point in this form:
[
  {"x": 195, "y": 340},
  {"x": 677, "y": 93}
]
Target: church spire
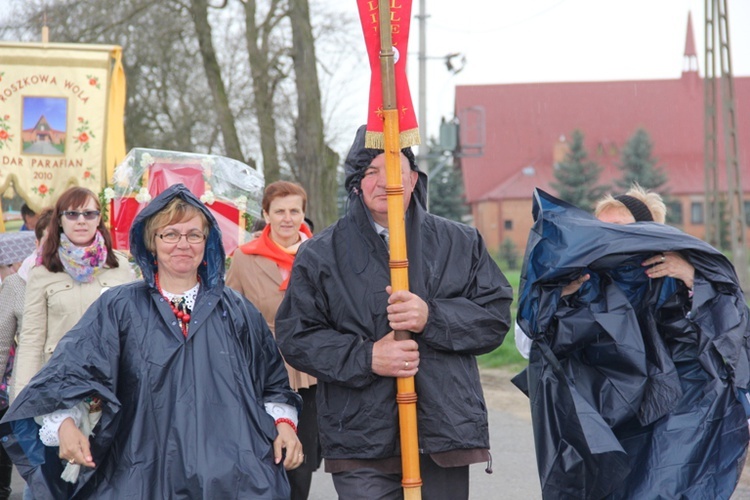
[{"x": 690, "y": 57}]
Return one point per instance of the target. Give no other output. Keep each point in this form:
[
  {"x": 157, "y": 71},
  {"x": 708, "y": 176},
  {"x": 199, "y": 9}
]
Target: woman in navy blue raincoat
[
  {"x": 637, "y": 381},
  {"x": 194, "y": 395}
]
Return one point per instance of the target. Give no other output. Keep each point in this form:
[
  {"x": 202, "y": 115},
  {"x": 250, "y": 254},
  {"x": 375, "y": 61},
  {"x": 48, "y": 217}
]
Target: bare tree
[
  {"x": 314, "y": 162},
  {"x": 166, "y": 100},
  {"x": 166, "y": 97},
  {"x": 254, "y": 107},
  {"x": 199, "y": 12},
  {"x": 268, "y": 69}
]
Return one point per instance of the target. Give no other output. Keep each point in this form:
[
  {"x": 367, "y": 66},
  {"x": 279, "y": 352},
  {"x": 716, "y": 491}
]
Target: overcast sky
[
  {"x": 512, "y": 41},
  {"x": 509, "y": 41}
]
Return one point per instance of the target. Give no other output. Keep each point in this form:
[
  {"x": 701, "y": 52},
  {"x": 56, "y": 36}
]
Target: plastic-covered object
[
  {"x": 229, "y": 188},
  {"x": 633, "y": 382}
]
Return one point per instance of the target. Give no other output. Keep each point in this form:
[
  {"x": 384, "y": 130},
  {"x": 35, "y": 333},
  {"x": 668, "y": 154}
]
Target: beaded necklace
[{"x": 178, "y": 305}]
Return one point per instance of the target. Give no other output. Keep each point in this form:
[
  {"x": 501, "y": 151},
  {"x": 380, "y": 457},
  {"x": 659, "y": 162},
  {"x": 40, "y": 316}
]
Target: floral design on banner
[
  {"x": 84, "y": 134},
  {"x": 2, "y": 73},
  {"x": 43, "y": 190},
  {"x": 88, "y": 174},
  {"x": 94, "y": 81},
  {"x": 5, "y": 136}
]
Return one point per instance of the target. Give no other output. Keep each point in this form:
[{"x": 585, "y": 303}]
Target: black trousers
[
  {"x": 438, "y": 483},
  {"x": 307, "y": 431}
]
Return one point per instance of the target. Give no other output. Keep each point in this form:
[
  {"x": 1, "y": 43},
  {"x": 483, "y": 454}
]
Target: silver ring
[
  {"x": 406, "y": 365},
  {"x": 663, "y": 257}
]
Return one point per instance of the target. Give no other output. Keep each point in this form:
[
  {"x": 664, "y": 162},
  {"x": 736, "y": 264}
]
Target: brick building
[
  {"x": 525, "y": 130},
  {"x": 42, "y": 132}
]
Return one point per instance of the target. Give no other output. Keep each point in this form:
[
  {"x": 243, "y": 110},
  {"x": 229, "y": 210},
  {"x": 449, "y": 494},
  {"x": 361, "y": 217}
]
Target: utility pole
[
  {"x": 716, "y": 10},
  {"x": 424, "y": 146},
  {"x": 710, "y": 133}
]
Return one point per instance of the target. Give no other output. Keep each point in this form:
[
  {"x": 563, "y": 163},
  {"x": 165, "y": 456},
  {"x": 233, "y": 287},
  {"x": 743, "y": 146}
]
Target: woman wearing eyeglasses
[
  {"x": 77, "y": 264},
  {"x": 193, "y": 396}
]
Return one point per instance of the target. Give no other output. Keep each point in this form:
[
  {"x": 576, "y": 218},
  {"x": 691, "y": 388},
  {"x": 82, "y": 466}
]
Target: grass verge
[{"x": 507, "y": 356}]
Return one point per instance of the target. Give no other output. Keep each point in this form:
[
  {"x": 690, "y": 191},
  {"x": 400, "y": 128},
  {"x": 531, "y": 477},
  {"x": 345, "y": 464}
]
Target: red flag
[{"x": 400, "y": 21}]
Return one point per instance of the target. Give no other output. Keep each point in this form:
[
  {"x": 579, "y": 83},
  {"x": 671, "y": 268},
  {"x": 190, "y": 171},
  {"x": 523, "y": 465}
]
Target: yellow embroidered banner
[{"x": 61, "y": 118}]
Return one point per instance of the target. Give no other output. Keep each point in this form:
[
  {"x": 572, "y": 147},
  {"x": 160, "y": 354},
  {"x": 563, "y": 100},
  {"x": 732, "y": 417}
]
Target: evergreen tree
[
  {"x": 445, "y": 187},
  {"x": 638, "y": 166},
  {"x": 509, "y": 254},
  {"x": 446, "y": 191},
  {"x": 577, "y": 178}
]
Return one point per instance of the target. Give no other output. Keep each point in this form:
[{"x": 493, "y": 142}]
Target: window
[
  {"x": 674, "y": 212},
  {"x": 696, "y": 212},
  {"x": 508, "y": 225}
]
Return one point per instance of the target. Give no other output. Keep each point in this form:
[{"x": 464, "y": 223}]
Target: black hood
[
  {"x": 360, "y": 157},
  {"x": 212, "y": 272}
]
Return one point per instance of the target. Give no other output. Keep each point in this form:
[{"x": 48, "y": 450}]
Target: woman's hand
[
  {"x": 670, "y": 264},
  {"x": 575, "y": 285},
  {"x": 74, "y": 446},
  {"x": 287, "y": 440}
]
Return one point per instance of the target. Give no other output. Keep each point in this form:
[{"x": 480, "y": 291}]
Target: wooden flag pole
[{"x": 399, "y": 265}]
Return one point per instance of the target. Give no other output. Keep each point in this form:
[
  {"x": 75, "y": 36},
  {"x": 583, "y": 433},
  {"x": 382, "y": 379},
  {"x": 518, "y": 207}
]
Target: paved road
[
  {"x": 515, "y": 475},
  {"x": 512, "y": 446},
  {"x": 514, "y": 467},
  {"x": 42, "y": 148}
]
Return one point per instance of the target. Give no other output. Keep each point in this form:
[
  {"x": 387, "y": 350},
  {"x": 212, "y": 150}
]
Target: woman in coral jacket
[{"x": 260, "y": 270}]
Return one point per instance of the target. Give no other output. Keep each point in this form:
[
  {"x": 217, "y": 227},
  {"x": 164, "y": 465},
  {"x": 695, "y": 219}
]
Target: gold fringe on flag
[{"x": 407, "y": 138}]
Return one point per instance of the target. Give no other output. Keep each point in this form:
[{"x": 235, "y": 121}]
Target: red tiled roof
[
  {"x": 523, "y": 182},
  {"x": 524, "y": 121}
]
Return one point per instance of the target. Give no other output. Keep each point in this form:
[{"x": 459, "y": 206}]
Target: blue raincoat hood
[{"x": 211, "y": 270}]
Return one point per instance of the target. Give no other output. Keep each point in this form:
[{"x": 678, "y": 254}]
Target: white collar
[
  {"x": 189, "y": 296},
  {"x": 378, "y": 228}
]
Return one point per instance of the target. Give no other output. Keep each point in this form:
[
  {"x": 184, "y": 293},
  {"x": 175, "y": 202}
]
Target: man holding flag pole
[{"x": 356, "y": 326}]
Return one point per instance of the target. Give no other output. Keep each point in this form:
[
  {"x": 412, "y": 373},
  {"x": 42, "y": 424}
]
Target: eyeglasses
[
  {"x": 72, "y": 215},
  {"x": 172, "y": 237}
]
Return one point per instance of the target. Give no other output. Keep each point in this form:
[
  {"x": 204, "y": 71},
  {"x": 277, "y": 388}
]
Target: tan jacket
[
  {"x": 54, "y": 304},
  {"x": 258, "y": 278}
]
